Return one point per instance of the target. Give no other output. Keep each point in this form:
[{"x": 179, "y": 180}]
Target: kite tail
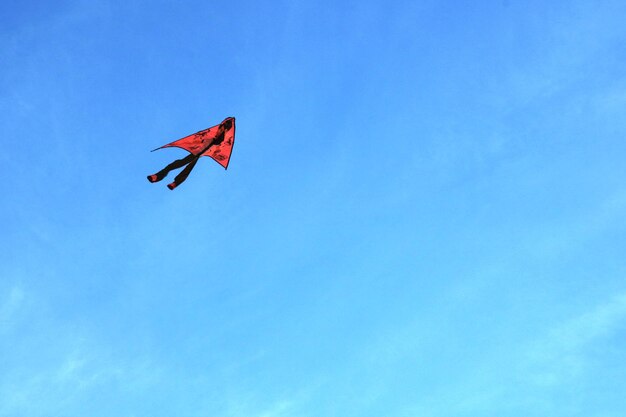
[
  {"x": 174, "y": 165},
  {"x": 182, "y": 176}
]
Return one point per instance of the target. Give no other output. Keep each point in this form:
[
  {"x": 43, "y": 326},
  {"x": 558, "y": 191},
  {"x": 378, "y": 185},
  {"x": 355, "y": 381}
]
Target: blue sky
[{"x": 424, "y": 214}]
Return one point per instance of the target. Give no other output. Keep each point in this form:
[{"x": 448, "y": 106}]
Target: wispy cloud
[
  {"x": 66, "y": 382},
  {"x": 9, "y": 307},
  {"x": 564, "y": 353},
  {"x": 535, "y": 378},
  {"x": 574, "y": 233},
  {"x": 281, "y": 408},
  {"x": 293, "y": 403}
]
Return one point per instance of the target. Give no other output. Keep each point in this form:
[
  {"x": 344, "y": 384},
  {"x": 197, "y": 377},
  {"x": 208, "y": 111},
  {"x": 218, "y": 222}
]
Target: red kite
[{"x": 215, "y": 142}]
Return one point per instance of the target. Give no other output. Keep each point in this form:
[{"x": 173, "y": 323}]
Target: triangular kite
[{"x": 215, "y": 142}]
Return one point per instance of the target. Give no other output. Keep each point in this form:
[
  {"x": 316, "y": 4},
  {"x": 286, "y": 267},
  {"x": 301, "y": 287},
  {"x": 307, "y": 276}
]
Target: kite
[{"x": 215, "y": 142}]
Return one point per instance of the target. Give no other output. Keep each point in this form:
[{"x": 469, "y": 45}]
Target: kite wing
[
  {"x": 221, "y": 152},
  {"x": 200, "y": 143}
]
